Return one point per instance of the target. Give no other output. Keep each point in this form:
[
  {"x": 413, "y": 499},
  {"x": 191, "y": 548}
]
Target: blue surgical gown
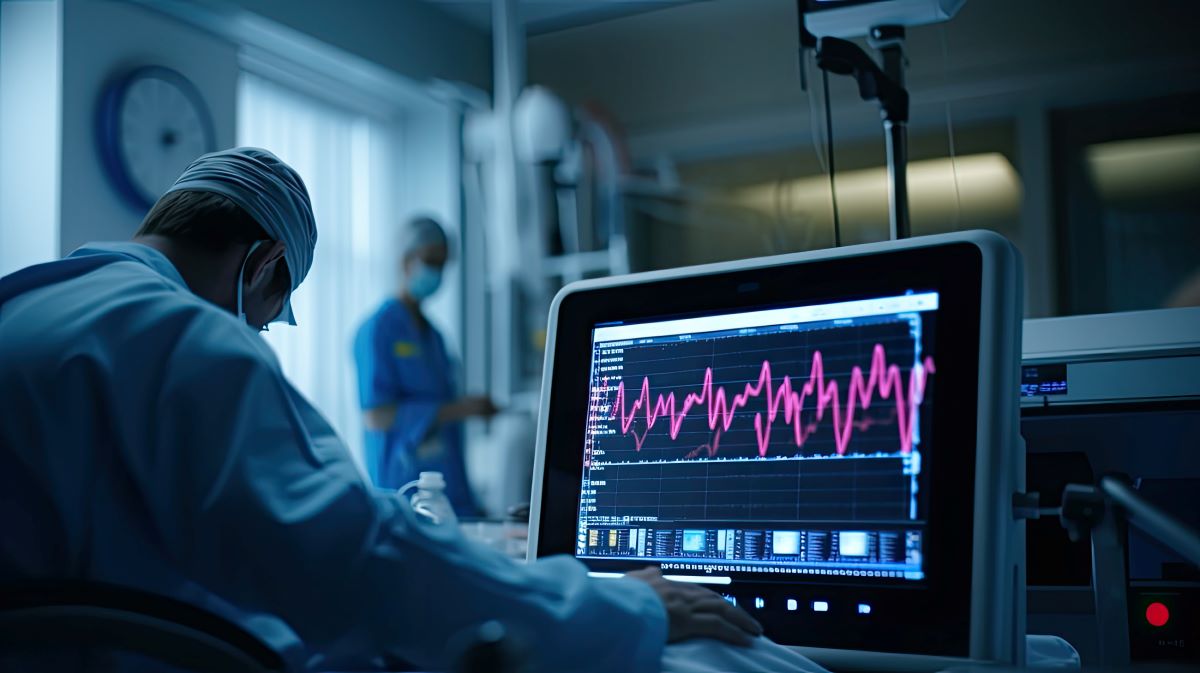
[
  {"x": 401, "y": 363},
  {"x": 150, "y": 439}
]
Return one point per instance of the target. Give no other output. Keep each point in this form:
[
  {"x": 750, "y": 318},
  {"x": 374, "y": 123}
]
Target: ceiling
[{"x": 547, "y": 16}]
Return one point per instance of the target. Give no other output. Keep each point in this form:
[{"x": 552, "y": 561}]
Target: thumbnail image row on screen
[
  {"x": 909, "y": 573},
  {"x": 884, "y": 548}
]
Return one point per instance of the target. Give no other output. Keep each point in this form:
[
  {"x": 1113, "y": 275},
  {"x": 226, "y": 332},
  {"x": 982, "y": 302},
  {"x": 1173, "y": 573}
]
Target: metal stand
[
  {"x": 1084, "y": 511},
  {"x": 1102, "y": 511},
  {"x": 896, "y": 135},
  {"x": 885, "y": 85},
  {"x": 889, "y": 40}
]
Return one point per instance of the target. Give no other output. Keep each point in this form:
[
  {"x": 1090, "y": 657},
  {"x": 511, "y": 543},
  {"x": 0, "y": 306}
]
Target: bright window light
[
  {"x": 1145, "y": 167},
  {"x": 344, "y": 159},
  {"x": 988, "y": 189}
]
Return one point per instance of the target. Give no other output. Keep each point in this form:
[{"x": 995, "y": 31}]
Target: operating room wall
[
  {"x": 91, "y": 57},
  {"x": 721, "y": 76},
  {"x": 719, "y": 80},
  {"x": 29, "y": 109},
  {"x": 410, "y": 39}
]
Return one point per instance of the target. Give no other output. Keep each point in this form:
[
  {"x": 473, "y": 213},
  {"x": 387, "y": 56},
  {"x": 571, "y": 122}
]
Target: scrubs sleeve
[
  {"x": 281, "y": 522},
  {"x": 374, "y": 377},
  {"x": 390, "y": 377}
]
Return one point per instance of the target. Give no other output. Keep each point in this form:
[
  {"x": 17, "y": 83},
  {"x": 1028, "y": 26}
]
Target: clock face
[{"x": 153, "y": 123}]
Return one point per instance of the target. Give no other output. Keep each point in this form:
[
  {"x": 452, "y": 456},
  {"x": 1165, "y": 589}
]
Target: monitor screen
[
  {"x": 787, "y": 441},
  {"x": 799, "y": 435}
]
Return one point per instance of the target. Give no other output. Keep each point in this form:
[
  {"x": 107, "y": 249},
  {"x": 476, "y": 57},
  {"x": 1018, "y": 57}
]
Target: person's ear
[{"x": 261, "y": 265}]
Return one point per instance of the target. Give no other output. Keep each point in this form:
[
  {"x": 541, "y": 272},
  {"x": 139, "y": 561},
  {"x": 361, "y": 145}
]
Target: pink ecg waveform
[{"x": 883, "y": 379}]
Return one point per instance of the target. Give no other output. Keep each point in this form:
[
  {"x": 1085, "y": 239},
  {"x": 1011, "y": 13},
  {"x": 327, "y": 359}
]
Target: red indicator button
[{"x": 1157, "y": 614}]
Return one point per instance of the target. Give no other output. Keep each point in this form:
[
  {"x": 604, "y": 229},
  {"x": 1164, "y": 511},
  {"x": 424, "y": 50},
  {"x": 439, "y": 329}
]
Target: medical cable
[
  {"x": 813, "y": 114},
  {"x": 837, "y": 225},
  {"x": 950, "y": 127}
]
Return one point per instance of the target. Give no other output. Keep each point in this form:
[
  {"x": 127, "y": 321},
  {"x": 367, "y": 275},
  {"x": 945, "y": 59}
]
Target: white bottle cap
[{"x": 431, "y": 481}]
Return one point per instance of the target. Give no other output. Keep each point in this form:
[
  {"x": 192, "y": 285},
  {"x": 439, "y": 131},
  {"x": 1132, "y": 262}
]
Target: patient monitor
[{"x": 828, "y": 439}]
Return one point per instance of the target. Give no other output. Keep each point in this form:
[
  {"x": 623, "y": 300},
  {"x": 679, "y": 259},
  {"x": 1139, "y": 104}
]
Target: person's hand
[
  {"x": 471, "y": 406},
  {"x": 477, "y": 405},
  {"x": 696, "y": 612}
]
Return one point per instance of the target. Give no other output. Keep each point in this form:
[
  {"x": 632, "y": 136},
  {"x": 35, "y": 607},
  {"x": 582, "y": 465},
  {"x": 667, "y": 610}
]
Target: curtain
[{"x": 347, "y": 161}]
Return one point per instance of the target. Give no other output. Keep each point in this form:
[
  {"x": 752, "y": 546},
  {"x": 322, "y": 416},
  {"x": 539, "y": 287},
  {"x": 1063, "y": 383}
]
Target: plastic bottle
[{"x": 430, "y": 501}]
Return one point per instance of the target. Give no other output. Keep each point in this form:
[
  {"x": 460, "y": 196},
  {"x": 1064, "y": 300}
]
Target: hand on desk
[{"x": 696, "y": 612}]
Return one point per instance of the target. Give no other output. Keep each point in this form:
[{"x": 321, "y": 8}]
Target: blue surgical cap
[
  {"x": 272, "y": 193},
  {"x": 421, "y": 232}
]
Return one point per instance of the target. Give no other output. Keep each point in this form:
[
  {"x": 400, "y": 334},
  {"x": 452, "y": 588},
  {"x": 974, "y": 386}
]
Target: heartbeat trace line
[{"x": 883, "y": 379}]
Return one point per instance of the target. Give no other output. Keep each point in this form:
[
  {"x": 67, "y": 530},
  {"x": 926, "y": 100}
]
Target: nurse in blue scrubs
[{"x": 406, "y": 380}]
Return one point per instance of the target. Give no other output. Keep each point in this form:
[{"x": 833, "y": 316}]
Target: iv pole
[
  {"x": 842, "y": 57},
  {"x": 889, "y": 40},
  {"x": 886, "y": 85}
]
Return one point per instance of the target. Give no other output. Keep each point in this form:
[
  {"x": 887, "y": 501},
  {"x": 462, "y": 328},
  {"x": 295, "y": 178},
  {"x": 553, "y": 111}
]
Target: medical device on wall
[
  {"x": 829, "y": 439},
  {"x": 825, "y": 26},
  {"x": 1115, "y": 394},
  {"x": 855, "y": 18}
]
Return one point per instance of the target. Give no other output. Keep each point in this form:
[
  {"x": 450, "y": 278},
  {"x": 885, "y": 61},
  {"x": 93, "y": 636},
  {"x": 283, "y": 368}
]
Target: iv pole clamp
[{"x": 886, "y": 85}]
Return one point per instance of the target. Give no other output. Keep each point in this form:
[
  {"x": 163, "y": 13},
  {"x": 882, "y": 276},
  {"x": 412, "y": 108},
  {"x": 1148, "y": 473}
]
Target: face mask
[
  {"x": 241, "y": 310},
  {"x": 424, "y": 281}
]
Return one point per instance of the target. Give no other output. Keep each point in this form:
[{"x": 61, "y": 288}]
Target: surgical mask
[
  {"x": 241, "y": 310},
  {"x": 424, "y": 281}
]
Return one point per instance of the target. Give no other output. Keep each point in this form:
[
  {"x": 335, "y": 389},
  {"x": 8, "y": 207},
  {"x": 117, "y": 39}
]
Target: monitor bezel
[{"x": 968, "y": 270}]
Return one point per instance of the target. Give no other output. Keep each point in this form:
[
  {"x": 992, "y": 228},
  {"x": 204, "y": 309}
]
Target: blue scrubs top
[
  {"x": 401, "y": 363},
  {"x": 149, "y": 439}
]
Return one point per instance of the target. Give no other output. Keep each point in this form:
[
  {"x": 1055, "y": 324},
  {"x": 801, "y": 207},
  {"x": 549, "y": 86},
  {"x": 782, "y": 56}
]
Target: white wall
[
  {"x": 29, "y": 147},
  {"x": 100, "y": 40}
]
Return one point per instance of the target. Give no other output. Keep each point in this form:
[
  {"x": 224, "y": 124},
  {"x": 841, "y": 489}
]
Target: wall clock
[{"x": 151, "y": 123}]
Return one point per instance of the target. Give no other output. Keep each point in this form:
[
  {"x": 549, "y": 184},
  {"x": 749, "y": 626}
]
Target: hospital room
[{"x": 642, "y": 336}]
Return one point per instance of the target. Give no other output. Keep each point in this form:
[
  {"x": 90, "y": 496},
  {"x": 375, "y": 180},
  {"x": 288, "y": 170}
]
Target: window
[
  {"x": 775, "y": 202},
  {"x": 1127, "y": 196},
  {"x": 347, "y": 161}
]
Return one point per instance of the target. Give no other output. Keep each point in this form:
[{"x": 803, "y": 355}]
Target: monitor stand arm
[
  {"x": 1086, "y": 511},
  {"x": 886, "y": 85},
  {"x": 1103, "y": 512}
]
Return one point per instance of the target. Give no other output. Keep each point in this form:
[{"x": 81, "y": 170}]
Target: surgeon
[
  {"x": 149, "y": 439},
  {"x": 411, "y": 410}
]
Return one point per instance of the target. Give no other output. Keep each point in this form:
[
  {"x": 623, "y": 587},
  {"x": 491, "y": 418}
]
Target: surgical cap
[
  {"x": 421, "y": 232},
  {"x": 272, "y": 193}
]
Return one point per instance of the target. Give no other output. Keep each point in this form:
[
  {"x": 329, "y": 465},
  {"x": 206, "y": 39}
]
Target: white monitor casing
[{"x": 997, "y": 626}]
